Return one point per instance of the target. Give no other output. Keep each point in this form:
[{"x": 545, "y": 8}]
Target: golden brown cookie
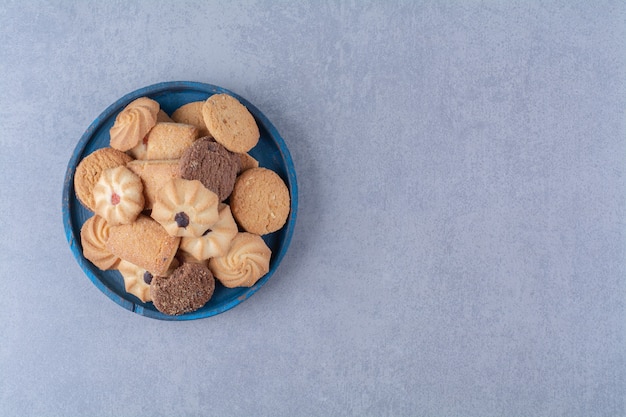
[
  {"x": 118, "y": 195},
  {"x": 144, "y": 243},
  {"x": 162, "y": 117},
  {"x": 165, "y": 141},
  {"x": 185, "y": 208},
  {"x": 93, "y": 237},
  {"x": 183, "y": 257},
  {"x": 189, "y": 288},
  {"x": 230, "y": 123},
  {"x": 89, "y": 169},
  {"x": 136, "y": 280},
  {"x": 246, "y": 162},
  {"x": 247, "y": 260},
  {"x": 215, "y": 241},
  {"x": 133, "y": 123},
  {"x": 153, "y": 174},
  {"x": 260, "y": 201},
  {"x": 191, "y": 114}
]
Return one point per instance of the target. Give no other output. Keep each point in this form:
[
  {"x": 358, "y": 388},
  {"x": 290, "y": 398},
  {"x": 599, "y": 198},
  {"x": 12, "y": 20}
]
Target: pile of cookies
[{"x": 178, "y": 202}]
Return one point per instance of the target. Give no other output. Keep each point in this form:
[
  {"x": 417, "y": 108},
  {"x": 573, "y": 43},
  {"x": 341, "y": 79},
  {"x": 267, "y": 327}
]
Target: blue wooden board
[{"x": 271, "y": 152}]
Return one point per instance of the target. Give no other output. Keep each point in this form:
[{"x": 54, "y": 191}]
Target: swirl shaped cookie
[
  {"x": 185, "y": 208},
  {"x": 133, "y": 123},
  {"x": 93, "y": 237},
  {"x": 247, "y": 260},
  {"x": 216, "y": 240},
  {"x": 118, "y": 195}
]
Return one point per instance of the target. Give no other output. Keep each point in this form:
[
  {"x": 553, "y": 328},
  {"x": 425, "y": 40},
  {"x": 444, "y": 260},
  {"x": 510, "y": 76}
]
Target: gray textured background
[{"x": 460, "y": 246}]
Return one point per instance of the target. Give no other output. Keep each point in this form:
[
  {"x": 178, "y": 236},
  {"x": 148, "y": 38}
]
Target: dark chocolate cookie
[
  {"x": 212, "y": 164},
  {"x": 189, "y": 288}
]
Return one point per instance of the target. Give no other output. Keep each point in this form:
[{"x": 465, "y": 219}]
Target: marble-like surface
[{"x": 460, "y": 246}]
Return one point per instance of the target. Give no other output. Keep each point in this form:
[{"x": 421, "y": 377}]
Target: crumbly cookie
[
  {"x": 246, "y": 162},
  {"x": 118, "y": 195},
  {"x": 212, "y": 164},
  {"x": 133, "y": 123},
  {"x": 89, "y": 169},
  {"x": 165, "y": 141},
  {"x": 230, "y": 123},
  {"x": 144, "y": 243},
  {"x": 260, "y": 201},
  {"x": 93, "y": 237},
  {"x": 153, "y": 174},
  {"x": 162, "y": 117},
  {"x": 189, "y": 288},
  {"x": 247, "y": 260},
  {"x": 215, "y": 241},
  {"x": 191, "y": 114},
  {"x": 185, "y": 208}
]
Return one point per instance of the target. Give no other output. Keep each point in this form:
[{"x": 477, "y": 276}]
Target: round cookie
[
  {"x": 165, "y": 141},
  {"x": 191, "y": 113},
  {"x": 93, "y": 237},
  {"x": 185, "y": 208},
  {"x": 189, "y": 288},
  {"x": 247, "y": 162},
  {"x": 260, "y": 201},
  {"x": 89, "y": 169},
  {"x": 118, "y": 195},
  {"x": 212, "y": 164},
  {"x": 230, "y": 123},
  {"x": 247, "y": 260}
]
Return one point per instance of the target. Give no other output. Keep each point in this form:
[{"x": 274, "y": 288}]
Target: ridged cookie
[
  {"x": 133, "y": 123},
  {"x": 247, "y": 260},
  {"x": 93, "y": 237},
  {"x": 215, "y": 241},
  {"x": 137, "y": 279},
  {"x": 230, "y": 123},
  {"x": 89, "y": 169},
  {"x": 185, "y": 208},
  {"x": 260, "y": 201},
  {"x": 118, "y": 195}
]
